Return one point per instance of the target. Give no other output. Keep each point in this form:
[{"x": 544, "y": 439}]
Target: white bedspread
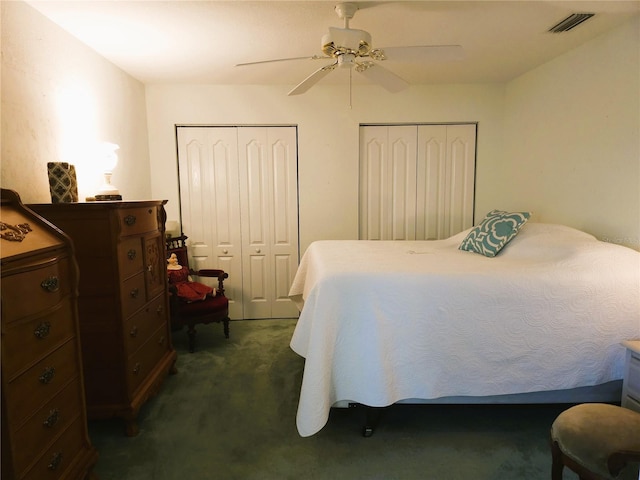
[{"x": 386, "y": 321}]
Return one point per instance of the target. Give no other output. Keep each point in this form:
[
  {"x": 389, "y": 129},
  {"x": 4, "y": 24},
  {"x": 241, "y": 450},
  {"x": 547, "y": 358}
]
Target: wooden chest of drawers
[
  {"x": 123, "y": 302},
  {"x": 44, "y": 423}
]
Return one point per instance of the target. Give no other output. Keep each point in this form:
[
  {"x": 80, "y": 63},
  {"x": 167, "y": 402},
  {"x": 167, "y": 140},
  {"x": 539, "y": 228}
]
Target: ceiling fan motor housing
[{"x": 346, "y": 40}]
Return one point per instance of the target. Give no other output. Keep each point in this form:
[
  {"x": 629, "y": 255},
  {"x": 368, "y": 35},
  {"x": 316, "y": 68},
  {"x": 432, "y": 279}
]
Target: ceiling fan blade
[
  {"x": 421, "y": 53},
  {"x": 312, "y": 79},
  {"x": 383, "y": 77},
  {"x": 312, "y": 57}
]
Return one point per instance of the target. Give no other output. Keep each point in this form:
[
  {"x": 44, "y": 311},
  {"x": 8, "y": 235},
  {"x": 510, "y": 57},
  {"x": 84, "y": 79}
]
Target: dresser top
[
  {"x": 101, "y": 205},
  {"x": 22, "y": 232},
  {"x": 633, "y": 345}
]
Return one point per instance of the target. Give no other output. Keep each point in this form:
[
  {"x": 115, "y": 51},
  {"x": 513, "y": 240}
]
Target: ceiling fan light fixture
[
  {"x": 361, "y": 67},
  {"x": 346, "y": 60},
  {"x": 377, "y": 54}
]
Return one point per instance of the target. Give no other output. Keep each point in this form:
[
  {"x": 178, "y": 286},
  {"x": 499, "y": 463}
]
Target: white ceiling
[{"x": 182, "y": 41}]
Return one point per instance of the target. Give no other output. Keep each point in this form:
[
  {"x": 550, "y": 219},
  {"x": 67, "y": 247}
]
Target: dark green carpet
[{"x": 229, "y": 413}]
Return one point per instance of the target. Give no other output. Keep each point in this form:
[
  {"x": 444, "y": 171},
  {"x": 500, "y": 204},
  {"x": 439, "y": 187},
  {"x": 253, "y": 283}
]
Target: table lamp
[{"x": 108, "y": 161}]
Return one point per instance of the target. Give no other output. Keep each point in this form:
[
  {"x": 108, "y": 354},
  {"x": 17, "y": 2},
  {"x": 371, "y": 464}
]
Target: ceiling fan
[{"x": 351, "y": 48}]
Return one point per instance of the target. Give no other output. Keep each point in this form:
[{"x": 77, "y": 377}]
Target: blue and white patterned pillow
[{"x": 495, "y": 231}]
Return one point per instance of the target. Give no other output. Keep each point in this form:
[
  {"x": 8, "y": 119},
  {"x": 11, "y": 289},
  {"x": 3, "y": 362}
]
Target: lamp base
[{"x": 104, "y": 198}]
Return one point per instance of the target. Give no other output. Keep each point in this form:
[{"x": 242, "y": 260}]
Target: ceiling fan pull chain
[{"x": 350, "y": 88}]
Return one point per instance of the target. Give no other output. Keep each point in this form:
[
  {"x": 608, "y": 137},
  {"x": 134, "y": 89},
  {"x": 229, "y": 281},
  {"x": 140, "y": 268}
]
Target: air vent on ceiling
[{"x": 570, "y": 22}]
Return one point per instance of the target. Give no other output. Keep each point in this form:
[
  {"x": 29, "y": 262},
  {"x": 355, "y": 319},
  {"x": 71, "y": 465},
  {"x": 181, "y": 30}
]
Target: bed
[{"x": 383, "y": 322}]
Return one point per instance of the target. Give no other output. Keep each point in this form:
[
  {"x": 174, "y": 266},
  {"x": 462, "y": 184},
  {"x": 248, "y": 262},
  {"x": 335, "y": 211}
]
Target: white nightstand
[{"x": 631, "y": 381}]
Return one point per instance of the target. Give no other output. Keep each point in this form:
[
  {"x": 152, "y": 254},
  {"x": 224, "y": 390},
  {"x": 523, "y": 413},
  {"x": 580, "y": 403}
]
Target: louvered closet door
[
  {"x": 210, "y": 204},
  {"x": 416, "y": 181},
  {"x": 269, "y": 215}
]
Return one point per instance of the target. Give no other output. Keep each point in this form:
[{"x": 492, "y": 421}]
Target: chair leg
[
  {"x": 191, "y": 334},
  {"x": 225, "y": 324}
]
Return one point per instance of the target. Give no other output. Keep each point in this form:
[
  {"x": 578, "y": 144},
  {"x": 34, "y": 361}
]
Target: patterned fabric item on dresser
[{"x": 63, "y": 184}]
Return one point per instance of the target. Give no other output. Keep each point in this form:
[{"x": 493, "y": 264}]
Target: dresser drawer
[
  {"x": 139, "y": 327},
  {"x": 633, "y": 377},
  {"x": 36, "y": 288},
  {"x": 145, "y": 359},
  {"x": 59, "y": 457},
  {"x": 130, "y": 257},
  {"x": 25, "y": 394},
  {"x": 23, "y": 342},
  {"x": 47, "y": 423},
  {"x": 134, "y": 221},
  {"x": 133, "y": 295}
]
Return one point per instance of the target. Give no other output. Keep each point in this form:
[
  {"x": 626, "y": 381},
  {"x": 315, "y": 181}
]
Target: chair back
[{"x": 178, "y": 246}]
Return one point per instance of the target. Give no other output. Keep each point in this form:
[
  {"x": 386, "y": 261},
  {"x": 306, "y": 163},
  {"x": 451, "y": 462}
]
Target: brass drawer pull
[
  {"x": 130, "y": 220},
  {"x": 42, "y": 330},
  {"x": 132, "y": 254},
  {"x": 50, "y": 284},
  {"x": 52, "y": 419},
  {"x": 47, "y": 375},
  {"x": 134, "y": 293},
  {"x": 55, "y": 462},
  {"x": 136, "y": 368},
  {"x": 134, "y": 331},
  {"x": 159, "y": 310}
]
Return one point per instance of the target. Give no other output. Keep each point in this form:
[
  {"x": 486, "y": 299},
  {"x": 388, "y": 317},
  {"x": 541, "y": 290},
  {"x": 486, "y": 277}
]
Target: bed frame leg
[{"x": 372, "y": 418}]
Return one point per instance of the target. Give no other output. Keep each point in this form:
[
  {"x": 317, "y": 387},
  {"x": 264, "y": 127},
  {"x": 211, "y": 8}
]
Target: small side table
[{"x": 631, "y": 381}]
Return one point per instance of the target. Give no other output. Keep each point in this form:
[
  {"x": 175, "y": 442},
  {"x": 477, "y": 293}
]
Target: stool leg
[{"x": 557, "y": 465}]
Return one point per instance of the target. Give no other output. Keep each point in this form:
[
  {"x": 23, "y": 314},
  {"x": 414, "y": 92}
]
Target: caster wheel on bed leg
[{"x": 367, "y": 431}]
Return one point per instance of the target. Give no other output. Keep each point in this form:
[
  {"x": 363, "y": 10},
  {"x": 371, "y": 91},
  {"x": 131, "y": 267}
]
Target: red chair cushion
[{"x": 209, "y": 305}]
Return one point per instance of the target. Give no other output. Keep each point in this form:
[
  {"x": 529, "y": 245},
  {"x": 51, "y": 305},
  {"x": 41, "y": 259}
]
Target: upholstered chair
[{"x": 597, "y": 441}]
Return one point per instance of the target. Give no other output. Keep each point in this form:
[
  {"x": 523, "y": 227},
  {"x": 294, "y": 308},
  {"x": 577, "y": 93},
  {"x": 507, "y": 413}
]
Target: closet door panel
[
  {"x": 402, "y": 180},
  {"x": 461, "y": 144},
  {"x": 373, "y": 141},
  {"x": 431, "y": 191},
  {"x": 210, "y": 204},
  {"x": 255, "y": 194},
  {"x": 284, "y": 241}
]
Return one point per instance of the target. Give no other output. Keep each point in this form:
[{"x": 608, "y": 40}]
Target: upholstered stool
[{"x": 597, "y": 441}]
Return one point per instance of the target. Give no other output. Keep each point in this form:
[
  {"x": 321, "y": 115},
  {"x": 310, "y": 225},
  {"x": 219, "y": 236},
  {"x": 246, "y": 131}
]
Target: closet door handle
[
  {"x": 257, "y": 250},
  {"x": 225, "y": 251}
]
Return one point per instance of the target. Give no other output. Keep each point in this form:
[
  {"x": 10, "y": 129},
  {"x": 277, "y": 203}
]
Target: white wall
[
  {"x": 60, "y": 99},
  {"x": 572, "y": 139},
  {"x": 327, "y": 137},
  {"x": 562, "y": 140}
]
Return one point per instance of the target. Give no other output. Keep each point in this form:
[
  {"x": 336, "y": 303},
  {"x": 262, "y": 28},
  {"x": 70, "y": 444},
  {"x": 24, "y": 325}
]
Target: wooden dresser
[
  {"x": 44, "y": 423},
  {"x": 123, "y": 303}
]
